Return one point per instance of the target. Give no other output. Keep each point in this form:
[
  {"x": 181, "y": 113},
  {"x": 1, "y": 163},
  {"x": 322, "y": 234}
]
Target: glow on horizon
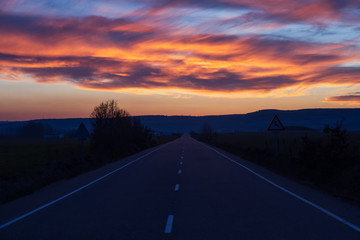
[{"x": 177, "y": 57}]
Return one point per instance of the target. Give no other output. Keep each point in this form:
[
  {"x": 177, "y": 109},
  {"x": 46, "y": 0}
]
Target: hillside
[{"x": 254, "y": 121}]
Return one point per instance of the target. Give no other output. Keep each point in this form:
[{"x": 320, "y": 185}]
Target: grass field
[
  {"x": 22, "y": 157},
  {"x": 27, "y": 165},
  {"x": 328, "y": 162}
]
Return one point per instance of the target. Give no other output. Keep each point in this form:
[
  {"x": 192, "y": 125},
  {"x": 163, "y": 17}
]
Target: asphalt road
[{"x": 182, "y": 190}]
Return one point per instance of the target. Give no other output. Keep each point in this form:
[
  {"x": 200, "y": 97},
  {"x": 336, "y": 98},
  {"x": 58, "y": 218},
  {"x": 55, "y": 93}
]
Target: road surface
[{"x": 182, "y": 190}]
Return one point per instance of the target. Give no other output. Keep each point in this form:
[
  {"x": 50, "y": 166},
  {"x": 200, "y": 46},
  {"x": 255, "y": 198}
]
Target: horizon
[
  {"x": 162, "y": 115},
  {"x": 59, "y": 59}
]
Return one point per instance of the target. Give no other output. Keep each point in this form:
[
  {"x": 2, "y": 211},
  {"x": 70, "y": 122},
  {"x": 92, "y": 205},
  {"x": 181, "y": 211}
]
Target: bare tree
[
  {"x": 111, "y": 129},
  {"x": 108, "y": 110},
  {"x": 115, "y": 132}
]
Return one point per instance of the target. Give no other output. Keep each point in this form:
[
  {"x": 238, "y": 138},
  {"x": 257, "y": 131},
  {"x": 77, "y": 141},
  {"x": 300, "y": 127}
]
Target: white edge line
[
  {"x": 75, "y": 191},
  {"x": 342, "y": 220},
  {"x": 169, "y": 224}
]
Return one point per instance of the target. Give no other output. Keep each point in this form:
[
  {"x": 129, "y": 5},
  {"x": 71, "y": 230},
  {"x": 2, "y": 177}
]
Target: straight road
[{"x": 182, "y": 190}]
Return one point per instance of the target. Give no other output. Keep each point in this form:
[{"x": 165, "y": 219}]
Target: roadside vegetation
[
  {"x": 327, "y": 160},
  {"x": 29, "y": 162}
]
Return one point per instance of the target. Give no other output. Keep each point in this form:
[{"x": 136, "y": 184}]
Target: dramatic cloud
[
  {"x": 202, "y": 46},
  {"x": 355, "y": 98}
]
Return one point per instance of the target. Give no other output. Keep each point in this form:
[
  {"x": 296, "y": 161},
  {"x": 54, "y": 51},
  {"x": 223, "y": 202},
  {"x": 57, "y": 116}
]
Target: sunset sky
[{"x": 60, "y": 58}]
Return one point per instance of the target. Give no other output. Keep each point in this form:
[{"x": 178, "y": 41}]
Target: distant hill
[
  {"x": 304, "y": 119},
  {"x": 63, "y": 125}
]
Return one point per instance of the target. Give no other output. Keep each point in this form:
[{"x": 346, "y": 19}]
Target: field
[
  {"x": 27, "y": 165},
  {"x": 327, "y": 161}
]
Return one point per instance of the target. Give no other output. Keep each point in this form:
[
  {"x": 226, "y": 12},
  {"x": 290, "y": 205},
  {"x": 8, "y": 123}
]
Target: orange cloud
[
  {"x": 351, "y": 99},
  {"x": 105, "y": 54}
]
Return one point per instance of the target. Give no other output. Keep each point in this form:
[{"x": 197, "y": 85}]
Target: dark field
[
  {"x": 27, "y": 165},
  {"x": 329, "y": 162}
]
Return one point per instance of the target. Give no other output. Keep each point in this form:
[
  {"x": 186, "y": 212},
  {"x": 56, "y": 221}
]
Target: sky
[{"x": 61, "y": 58}]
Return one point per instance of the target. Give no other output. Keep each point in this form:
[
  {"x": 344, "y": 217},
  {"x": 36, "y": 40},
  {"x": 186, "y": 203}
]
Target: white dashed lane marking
[{"x": 169, "y": 224}]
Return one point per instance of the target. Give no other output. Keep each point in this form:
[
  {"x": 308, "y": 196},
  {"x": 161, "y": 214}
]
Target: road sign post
[
  {"x": 276, "y": 143},
  {"x": 276, "y": 126},
  {"x": 82, "y": 134}
]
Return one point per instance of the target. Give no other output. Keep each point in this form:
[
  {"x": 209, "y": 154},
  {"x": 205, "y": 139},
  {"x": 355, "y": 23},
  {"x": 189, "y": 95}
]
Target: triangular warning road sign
[
  {"x": 276, "y": 125},
  {"x": 82, "y": 133}
]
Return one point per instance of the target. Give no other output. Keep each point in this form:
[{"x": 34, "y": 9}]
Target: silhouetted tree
[
  {"x": 115, "y": 132},
  {"x": 336, "y": 148},
  {"x": 324, "y": 159},
  {"x": 32, "y": 130},
  {"x": 206, "y": 132},
  {"x": 141, "y": 135}
]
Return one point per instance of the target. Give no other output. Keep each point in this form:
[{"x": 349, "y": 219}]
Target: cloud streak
[
  {"x": 350, "y": 98},
  {"x": 163, "y": 45}
]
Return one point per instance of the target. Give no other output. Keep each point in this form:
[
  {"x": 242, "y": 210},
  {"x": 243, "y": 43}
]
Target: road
[{"x": 183, "y": 190}]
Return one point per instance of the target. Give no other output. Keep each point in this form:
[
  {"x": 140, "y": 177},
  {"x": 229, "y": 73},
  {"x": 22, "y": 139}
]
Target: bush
[
  {"x": 206, "y": 134},
  {"x": 325, "y": 159},
  {"x": 32, "y": 130}
]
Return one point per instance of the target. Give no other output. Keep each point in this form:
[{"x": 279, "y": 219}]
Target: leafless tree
[{"x": 116, "y": 133}]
